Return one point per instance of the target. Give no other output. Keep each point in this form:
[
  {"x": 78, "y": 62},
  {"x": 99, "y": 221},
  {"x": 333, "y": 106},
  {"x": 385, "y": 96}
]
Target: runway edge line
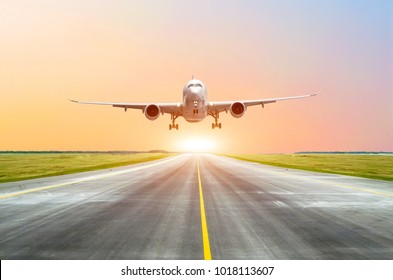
[
  {"x": 90, "y": 178},
  {"x": 205, "y": 233}
]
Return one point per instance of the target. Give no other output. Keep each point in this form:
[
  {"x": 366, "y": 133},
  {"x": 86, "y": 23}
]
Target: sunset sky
[{"x": 145, "y": 51}]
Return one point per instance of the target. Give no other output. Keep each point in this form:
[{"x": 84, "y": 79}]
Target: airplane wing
[
  {"x": 216, "y": 107},
  {"x": 167, "y": 108}
]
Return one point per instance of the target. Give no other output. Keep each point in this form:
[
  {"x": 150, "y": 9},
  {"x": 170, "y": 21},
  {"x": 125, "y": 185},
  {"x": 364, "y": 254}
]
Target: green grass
[
  {"x": 23, "y": 166},
  {"x": 367, "y": 166}
]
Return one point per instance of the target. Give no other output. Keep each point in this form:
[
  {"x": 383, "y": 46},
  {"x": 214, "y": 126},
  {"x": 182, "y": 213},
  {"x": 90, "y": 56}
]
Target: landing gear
[
  {"x": 216, "y": 123},
  {"x": 195, "y": 111},
  {"x": 173, "y": 125}
]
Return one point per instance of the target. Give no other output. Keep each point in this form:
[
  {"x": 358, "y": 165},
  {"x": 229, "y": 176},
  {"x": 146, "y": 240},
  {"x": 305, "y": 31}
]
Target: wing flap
[
  {"x": 217, "y": 107},
  {"x": 167, "y": 108}
]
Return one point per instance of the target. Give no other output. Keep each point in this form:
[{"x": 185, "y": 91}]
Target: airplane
[{"x": 195, "y": 106}]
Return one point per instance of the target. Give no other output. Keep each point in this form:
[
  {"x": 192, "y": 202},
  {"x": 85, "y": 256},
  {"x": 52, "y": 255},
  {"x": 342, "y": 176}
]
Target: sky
[{"x": 145, "y": 51}]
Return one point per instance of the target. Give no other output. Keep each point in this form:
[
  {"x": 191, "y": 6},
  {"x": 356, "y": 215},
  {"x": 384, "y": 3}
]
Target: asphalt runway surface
[{"x": 196, "y": 206}]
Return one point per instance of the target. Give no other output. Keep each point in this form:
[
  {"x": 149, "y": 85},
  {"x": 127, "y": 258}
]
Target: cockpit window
[{"x": 194, "y": 85}]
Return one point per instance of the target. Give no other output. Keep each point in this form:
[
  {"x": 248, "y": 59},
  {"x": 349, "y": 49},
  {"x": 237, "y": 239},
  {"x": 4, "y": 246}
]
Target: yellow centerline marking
[{"x": 205, "y": 234}]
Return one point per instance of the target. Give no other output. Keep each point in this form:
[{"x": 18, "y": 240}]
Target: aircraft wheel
[
  {"x": 170, "y": 127},
  {"x": 219, "y": 125},
  {"x": 177, "y": 127},
  {"x": 212, "y": 125}
]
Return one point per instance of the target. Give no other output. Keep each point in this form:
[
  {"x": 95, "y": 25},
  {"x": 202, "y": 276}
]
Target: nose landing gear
[{"x": 195, "y": 111}]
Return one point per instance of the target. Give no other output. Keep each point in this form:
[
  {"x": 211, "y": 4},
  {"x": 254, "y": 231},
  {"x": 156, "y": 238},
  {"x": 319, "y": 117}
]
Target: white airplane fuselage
[{"x": 194, "y": 101}]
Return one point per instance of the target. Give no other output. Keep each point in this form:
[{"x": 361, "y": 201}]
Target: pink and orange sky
[{"x": 144, "y": 51}]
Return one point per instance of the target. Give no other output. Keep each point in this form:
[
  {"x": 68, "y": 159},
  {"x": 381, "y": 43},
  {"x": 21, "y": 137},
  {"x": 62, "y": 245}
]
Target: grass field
[
  {"x": 22, "y": 166},
  {"x": 368, "y": 166}
]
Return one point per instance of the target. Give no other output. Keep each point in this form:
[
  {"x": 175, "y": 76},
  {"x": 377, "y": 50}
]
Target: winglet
[{"x": 72, "y": 100}]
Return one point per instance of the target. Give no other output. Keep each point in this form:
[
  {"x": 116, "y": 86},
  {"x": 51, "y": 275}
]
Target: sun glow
[{"x": 197, "y": 145}]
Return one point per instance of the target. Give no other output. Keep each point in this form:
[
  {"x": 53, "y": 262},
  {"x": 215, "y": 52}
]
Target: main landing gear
[
  {"x": 173, "y": 125},
  {"x": 216, "y": 123}
]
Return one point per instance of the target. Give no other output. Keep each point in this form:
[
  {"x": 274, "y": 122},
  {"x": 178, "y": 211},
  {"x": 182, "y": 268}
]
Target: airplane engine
[
  {"x": 237, "y": 109},
  {"x": 152, "y": 112}
]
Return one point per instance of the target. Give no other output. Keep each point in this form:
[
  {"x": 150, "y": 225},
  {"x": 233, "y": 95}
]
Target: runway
[{"x": 154, "y": 211}]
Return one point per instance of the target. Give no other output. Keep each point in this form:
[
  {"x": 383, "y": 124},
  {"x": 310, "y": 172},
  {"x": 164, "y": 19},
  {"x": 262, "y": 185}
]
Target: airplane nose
[{"x": 195, "y": 90}]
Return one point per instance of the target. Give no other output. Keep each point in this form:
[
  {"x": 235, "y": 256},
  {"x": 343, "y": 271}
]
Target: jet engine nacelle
[
  {"x": 152, "y": 112},
  {"x": 237, "y": 109}
]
